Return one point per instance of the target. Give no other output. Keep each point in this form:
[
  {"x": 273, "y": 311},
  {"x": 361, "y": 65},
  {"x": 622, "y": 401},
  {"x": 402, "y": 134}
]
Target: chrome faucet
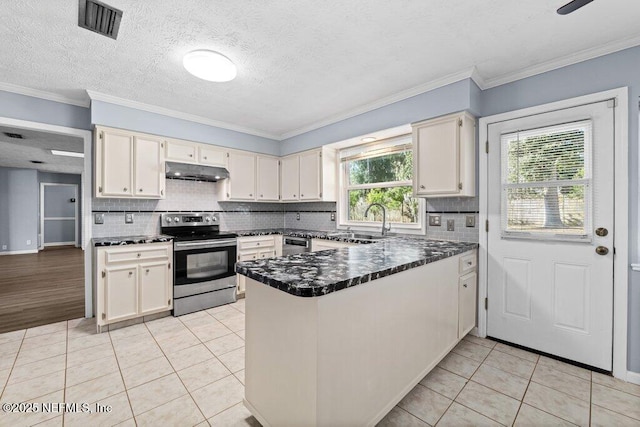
[{"x": 385, "y": 227}]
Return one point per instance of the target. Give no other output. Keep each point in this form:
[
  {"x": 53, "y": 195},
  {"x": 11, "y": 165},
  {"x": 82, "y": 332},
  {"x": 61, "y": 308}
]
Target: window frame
[{"x": 344, "y": 188}]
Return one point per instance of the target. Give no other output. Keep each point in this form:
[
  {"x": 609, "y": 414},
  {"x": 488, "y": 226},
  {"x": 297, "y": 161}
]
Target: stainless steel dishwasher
[{"x": 295, "y": 245}]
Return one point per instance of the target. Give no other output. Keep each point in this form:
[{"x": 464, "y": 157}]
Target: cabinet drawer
[
  {"x": 468, "y": 262},
  {"x": 256, "y": 242},
  {"x": 134, "y": 255}
]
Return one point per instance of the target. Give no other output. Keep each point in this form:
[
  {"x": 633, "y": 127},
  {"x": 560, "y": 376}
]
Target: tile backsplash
[{"x": 201, "y": 197}]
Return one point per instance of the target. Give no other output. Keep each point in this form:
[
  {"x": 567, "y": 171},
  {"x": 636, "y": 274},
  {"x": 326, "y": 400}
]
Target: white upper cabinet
[
  {"x": 241, "y": 184},
  {"x": 212, "y": 156},
  {"x": 309, "y": 176},
  {"x": 290, "y": 178},
  {"x": 444, "y": 156},
  {"x": 129, "y": 165},
  {"x": 148, "y": 167},
  {"x": 268, "y": 178},
  {"x": 181, "y": 151}
]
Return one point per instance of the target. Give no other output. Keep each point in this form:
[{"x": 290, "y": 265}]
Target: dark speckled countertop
[
  {"x": 130, "y": 240},
  {"x": 315, "y": 274}
]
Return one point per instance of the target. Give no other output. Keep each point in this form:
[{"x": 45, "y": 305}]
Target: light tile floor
[{"x": 189, "y": 371}]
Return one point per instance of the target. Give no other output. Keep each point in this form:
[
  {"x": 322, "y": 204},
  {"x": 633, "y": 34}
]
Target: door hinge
[
  {"x": 227, "y": 155},
  {"x": 459, "y": 186},
  {"x": 100, "y": 189},
  {"x": 101, "y": 135},
  {"x": 320, "y": 194},
  {"x": 104, "y": 316},
  {"x": 227, "y": 195},
  {"x": 486, "y": 303},
  {"x": 162, "y": 145},
  {"x": 103, "y": 273},
  {"x": 460, "y": 122},
  {"x": 612, "y": 103},
  {"x": 162, "y": 192},
  {"x": 169, "y": 266},
  {"x": 278, "y": 162},
  {"x": 486, "y": 226},
  {"x": 168, "y": 302},
  {"x": 486, "y": 147}
]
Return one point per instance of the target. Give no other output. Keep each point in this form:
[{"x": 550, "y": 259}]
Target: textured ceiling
[
  {"x": 17, "y": 153},
  {"x": 299, "y": 62}
]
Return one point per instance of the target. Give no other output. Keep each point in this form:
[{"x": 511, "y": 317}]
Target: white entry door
[{"x": 550, "y": 239}]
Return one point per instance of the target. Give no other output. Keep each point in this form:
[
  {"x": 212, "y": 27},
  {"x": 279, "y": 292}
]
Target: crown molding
[
  {"x": 97, "y": 96},
  {"x": 564, "y": 61},
  {"x": 49, "y": 96},
  {"x": 408, "y": 93}
]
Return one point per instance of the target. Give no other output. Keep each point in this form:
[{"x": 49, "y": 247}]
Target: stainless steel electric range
[{"x": 204, "y": 261}]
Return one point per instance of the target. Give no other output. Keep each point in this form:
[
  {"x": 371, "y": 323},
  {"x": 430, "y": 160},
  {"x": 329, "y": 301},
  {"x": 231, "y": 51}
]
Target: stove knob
[
  {"x": 168, "y": 219},
  {"x": 176, "y": 219},
  {"x": 215, "y": 219},
  {"x": 207, "y": 218}
]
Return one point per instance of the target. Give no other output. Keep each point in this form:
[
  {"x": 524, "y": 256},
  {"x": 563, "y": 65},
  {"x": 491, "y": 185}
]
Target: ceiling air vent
[
  {"x": 13, "y": 135},
  {"x": 99, "y": 17}
]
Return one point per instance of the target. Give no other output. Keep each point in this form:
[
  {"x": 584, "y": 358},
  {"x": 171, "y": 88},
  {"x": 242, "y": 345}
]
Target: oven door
[{"x": 203, "y": 261}]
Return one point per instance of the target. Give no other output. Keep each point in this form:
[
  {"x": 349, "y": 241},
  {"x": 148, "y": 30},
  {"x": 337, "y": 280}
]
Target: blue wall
[
  {"x": 33, "y": 109},
  {"x": 18, "y": 209},
  {"x": 104, "y": 113},
  {"x": 437, "y": 102}
]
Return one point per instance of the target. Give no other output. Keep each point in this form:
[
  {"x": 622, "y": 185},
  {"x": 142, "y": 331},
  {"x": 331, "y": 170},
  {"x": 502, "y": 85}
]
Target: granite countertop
[
  {"x": 315, "y": 274},
  {"x": 309, "y": 234},
  {"x": 130, "y": 240}
]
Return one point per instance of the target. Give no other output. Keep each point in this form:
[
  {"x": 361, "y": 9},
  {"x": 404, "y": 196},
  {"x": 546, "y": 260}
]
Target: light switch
[
  {"x": 451, "y": 225},
  {"x": 98, "y": 218},
  {"x": 128, "y": 218}
]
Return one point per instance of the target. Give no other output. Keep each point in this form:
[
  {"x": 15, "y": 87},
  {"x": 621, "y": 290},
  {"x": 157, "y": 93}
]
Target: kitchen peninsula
[{"x": 338, "y": 337}]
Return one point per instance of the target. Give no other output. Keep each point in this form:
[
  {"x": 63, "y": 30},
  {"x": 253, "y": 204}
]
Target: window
[
  {"x": 379, "y": 173},
  {"x": 546, "y": 182}
]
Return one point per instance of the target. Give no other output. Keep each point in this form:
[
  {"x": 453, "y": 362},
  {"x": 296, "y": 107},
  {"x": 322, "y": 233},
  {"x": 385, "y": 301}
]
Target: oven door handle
[{"x": 183, "y": 246}]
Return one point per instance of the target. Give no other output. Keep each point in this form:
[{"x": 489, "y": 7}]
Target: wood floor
[{"x": 38, "y": 289}]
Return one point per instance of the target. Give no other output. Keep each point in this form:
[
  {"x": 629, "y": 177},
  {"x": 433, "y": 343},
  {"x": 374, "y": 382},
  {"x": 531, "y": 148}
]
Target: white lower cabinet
[
  {"x": 467, "y": 293},
  {"x": 322, "y": 244},
  {"x": 251, "y": 248},
  {"x": 133, "y": 281}
]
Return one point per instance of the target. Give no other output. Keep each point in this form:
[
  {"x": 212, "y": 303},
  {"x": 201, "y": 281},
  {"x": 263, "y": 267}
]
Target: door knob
[
  {"x": 601, "y": 231},
  {"x": 601, "y": 250}
]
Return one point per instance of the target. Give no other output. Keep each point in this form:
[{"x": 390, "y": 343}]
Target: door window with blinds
[
  {"x": 546, "y": 183},
  {"x": 379, "y": 173}
]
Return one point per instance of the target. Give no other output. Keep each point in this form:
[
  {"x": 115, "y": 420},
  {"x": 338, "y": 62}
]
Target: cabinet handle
[
  {"x": 147, "y": 271},
  {"x": 464, "y": 286},
  {"x": 294, "y": 195},
  {"x": 139, "y": 255},
  {"x": 141, "y": 190},
  {"x": 422, "y": 187},
  {"x": 190, "y": 155},
  {"x": 258, "y": 243},
  {"x": 250, "y": 195},
  {"x": 302, "y": 195},
  {"x": 130, "y": 273},
  {"x": 205, "y": 157},
  {"x": 124, "y": 189},
  {"x": 261, "y": 195},
  {"x": 469, "y": 262}
]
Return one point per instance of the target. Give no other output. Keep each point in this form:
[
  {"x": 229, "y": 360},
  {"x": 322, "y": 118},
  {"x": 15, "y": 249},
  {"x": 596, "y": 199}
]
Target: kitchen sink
[{"x": 350, "y": 235}]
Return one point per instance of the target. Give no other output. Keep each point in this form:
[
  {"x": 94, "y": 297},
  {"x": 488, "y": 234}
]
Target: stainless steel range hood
[{"x": 195, "y": 172}]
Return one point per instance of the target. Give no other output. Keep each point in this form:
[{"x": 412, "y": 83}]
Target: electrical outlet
[
  {"x": 298, "y": 216},
  {"x": 128, "y": 218},
  {"x": 98, "y": 218},
  {"x": 470, "y": 220},
  {"x": 333, "y": 216},
  {"x": 28, "y": 242},
  {"x": 4, "y": 247},
  {"x": 434, "y": 220},
  {"x": 450, "y": 225}
]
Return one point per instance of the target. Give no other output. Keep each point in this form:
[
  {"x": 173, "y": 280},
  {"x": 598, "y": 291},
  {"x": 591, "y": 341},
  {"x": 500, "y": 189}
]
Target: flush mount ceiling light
[
  {"x": 66, "y": 153},
  {"x": 369, "y": 139},
  {"x": 209, "y": 65}
]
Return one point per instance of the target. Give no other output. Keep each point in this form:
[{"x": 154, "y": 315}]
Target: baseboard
[
  {"x": 46, "y": 245},
  {"x": 633, "y": 377},
  {"x": 28, "y": 251}
]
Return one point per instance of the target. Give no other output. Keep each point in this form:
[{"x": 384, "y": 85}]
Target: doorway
[
  {"x": 58, "y": 214},
  {"x": 554, "y": 199}
]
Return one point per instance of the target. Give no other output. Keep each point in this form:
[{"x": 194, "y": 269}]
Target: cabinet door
[
  {"x": 467, "y": 303},
  {"x": 120, "y": 293},
  {"x": 148, "y": 168},
  {"x": 290, "y": 178},
  {"x": 447, "y": 312},
  {"x": 116, "y": 163},
  {"x": 438, "y": 152},
  {"x": 268, "y": 179},
  {"x": 311, "y": 176},
  {"x": 247, "y": 255},
  {"x": 181, "y": 151},
  {"x": 155, "y": 289},
  {"x": 212, "y": 156},
  {"x": 242, "y": 176}
]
